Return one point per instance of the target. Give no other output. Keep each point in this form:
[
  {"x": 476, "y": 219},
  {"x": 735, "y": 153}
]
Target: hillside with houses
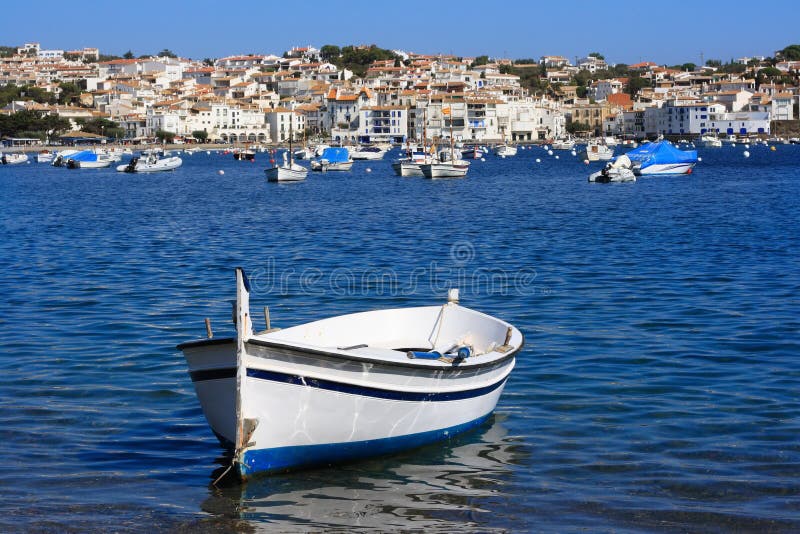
[{"x": 349, "y": 97}]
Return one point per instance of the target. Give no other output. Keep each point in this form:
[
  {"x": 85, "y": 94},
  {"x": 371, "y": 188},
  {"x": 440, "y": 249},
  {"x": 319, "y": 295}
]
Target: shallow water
[{"x": 658, "y": 389}]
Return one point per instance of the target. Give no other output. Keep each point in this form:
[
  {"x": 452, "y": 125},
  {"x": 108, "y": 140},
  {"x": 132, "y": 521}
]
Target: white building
[
  {"x": 282, "y": 121},
  {"x": 383, "y": 124}
]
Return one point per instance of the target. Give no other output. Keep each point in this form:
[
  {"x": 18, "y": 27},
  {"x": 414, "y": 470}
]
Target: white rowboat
[{"x": 351, "y": 386}]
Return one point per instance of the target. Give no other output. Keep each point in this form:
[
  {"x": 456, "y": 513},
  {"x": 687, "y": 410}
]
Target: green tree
[
  {"x": 167, "y": 53},
  {"x": 574, "y": 127},
  {"x": 636, "y": 83},
  {"x": 165, "y": 136},
  {"x": 791, "y": 53},
  {"x": 7, "y": 51},
  {"x": 101, "y": 126},
  {"x": 128, "y": 55},
  {"x": 480, "y": 60},
  {"x": 715, "y": 63},
  {"x": 69, "y": 92},
  {"x": 598, "y": 55},
  {"x": 32, "y": 124},
  {"x": 330, "y": 52},
  {"x": 208, "y": 62},
  {"x": 200, "y": 135}
]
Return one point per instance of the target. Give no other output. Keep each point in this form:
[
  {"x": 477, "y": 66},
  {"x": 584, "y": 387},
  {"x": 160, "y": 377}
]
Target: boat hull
[
  {"x": 316, "y": 409},
  {"x": 286, "y": 174},
  {"x": 444, "y": 170},
  {"x": 407, "y": 168},
  {"x": 665, "y": 168}
]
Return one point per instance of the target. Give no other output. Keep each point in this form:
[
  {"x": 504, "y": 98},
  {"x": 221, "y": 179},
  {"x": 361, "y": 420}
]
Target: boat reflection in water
[{"x": 443, "y": 486}]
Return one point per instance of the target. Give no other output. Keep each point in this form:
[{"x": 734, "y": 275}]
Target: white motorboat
[
  {"x": 13, "y": 158},
  {"x": 333, "y": 159},
  {"x": 710, "y": 141},
  {"x": 597, "y": 150},
  {"x": 45, "y": 156},
  {"x": 288, "y": 172},
  {"x": 303, "y": 153},
  {"x": 618, "y": 171},
  {"x": 349, "y": 387},
  {"x": 151, "y": 164},
  {"x": 563, "y": 144},
  {"x": 368, "y": 153},
  {"x": 661, "y": 157},
  {"x": 505, "y": 151}
]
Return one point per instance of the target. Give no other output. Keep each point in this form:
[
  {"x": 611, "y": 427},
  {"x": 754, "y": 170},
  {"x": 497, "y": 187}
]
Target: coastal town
[{"x": 260, "y": 99}]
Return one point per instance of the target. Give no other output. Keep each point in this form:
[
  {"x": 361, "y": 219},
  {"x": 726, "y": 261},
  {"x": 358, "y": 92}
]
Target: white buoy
[
  {"x": 574, "y": 153},
  {"x": 746, "y": 154},
  {"x": 220, "y": 172},
  {"x": 208, "y": 152},
  {"x": 699, "y": 159},
  {"x": 484, "y": 159},
  {"x": 586, "y": 162},
  {"x": 369, "y": 170},
  {"x": 556, "y": 157},
  {"x": 549, "y": 152},
  {"x": 546, "y": 147},
  {"x": 747, "y": 145},
  {"x": 538, "y": 160}
]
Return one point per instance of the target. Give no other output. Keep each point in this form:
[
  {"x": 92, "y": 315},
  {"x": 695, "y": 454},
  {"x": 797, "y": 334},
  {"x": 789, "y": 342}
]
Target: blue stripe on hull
[
  {"x": 366, "y": 391},
  {"x": 287, "y": 458}
]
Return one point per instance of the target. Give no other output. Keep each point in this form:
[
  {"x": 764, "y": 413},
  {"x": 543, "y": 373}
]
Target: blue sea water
[{"x": 659, "y": 389}]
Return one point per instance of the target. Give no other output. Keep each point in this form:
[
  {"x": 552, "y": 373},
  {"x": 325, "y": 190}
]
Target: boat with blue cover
[
  {"x": 333, "y": 159},
  {"x": 661, "y": 157},
  {"x": 349, "y": 387}
]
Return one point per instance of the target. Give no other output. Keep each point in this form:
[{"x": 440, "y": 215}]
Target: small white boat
[
  {"x": 151, "y": 164},
  {"x": 563, "y": 144},
  {"x": 45, "y": 156},
  {"x": 409, "y": 166},
  {"x": 333, "y": 159},
  {"x": 597, "y": 150},
  {"x": 288, "y": 172},
  {"x": 368, "y": 153},
  {"x": 448, "y": 166},
  {"x": 710, "y": 141},
  {"x": 505, "y": 151},
  {"x": 618, "y": 171},
  {"x": 13, "y": 158},
  {"x": 85, "y": 159},
  {"x": 349, "y": 387},
  {"x": 303, "y": 153}
]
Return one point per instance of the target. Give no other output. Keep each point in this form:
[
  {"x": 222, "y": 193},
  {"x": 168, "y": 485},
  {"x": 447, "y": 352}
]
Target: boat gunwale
[{"x": 413, "y": 364}]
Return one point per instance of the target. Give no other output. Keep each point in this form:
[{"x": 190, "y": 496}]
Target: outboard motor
[
  {"x": 59, "y": 161},
  {"x": 3, "y": 160},
  {"x": 72, "y": 164},
  {"x": 132, "y": 164}
]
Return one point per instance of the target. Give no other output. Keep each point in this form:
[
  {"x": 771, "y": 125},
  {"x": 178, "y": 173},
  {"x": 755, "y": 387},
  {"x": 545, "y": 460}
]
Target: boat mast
[{"x": 291, "y": 155}]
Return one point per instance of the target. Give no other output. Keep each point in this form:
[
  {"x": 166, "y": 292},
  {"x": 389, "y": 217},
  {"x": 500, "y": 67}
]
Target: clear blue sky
[{"x": 624, "y": 31}]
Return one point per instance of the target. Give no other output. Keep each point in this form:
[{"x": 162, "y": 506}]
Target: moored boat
[
  {"x": 333, "y": 159},
  {"x": 151, "y": 164},
  {"x": 618, "y": 171},
  {"x": 598, "y": 150},
  {"x": 661, "y": 157},
  {"x": 288, "y": 172},
  {"x": 368, "y": 153},
  {"x": 349, "y": 387},
  {"x": 13, "y": 158},
  {"x": 505, "y": 151}
]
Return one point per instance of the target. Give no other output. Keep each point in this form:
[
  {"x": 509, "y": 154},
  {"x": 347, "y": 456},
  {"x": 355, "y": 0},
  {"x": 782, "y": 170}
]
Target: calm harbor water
[{"x": 659, "y": 388}]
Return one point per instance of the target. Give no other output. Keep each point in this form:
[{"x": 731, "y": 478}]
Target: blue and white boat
[
  {"x": 351, "y": 386},
  {"x": 333, "y": 159},
  {"x": 87, "y": 159},
  {"x": 661, "y": 157}
]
